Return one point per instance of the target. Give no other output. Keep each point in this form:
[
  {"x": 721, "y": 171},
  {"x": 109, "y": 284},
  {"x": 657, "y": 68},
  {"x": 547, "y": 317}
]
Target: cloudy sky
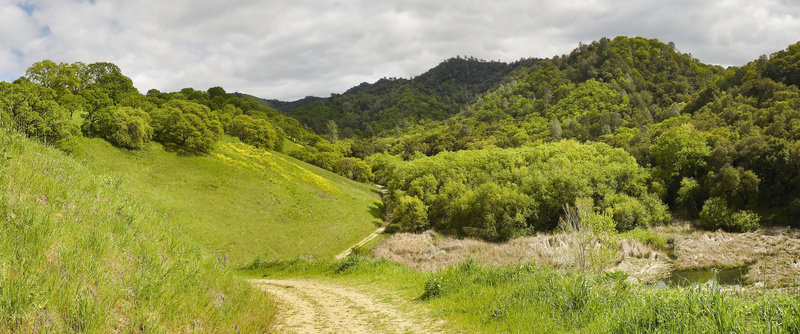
[{"x": 290, "y": 49}]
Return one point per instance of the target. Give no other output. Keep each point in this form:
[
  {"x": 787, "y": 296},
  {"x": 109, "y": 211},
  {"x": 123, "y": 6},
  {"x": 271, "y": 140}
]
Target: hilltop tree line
[{"x": 54, "y": 102}]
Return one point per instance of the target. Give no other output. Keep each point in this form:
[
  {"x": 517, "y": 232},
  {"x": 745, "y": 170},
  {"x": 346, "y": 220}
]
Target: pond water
[{"x": 725, "y": 276}]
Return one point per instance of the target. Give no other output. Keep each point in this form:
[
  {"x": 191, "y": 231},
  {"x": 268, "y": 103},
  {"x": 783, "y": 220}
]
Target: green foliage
[
  {"x": 32, "y": 110},
  {"x": 122, "y": 126},
  {"x": 716, "y": 215},
  {"x": 744, "y": 221},
  {"x": 496, "y": 194},
  {"x": 597, "y": 109},
  {"x": 410, "y": 214},
  {"x": 628, "y": 212},
  {"x": 255, "y": 131},
  {"x": 354, "y": 169},
  {"x": 689, "y": 197},
  {"x": 189, "y": 126},
  {"x": 680, "y": 151}
]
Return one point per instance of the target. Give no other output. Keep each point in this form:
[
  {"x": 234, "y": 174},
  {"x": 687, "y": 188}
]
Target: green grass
[
  {"x": 471, "y": 298},
  {"x": 78, "y": 254},
  {"x": 647, "y": 237},
  {"x": 244, "y": 202}
]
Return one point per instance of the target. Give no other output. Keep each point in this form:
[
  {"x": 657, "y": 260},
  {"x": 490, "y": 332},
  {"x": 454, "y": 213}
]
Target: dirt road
[{"x": 310, "y": 306}]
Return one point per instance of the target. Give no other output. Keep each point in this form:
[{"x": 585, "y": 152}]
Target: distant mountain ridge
[
  {"x": 283, "y": 106},
  {"x": 369, "y": 109}
]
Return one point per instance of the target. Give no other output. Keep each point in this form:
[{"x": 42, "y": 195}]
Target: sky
[{"x": 291, "y": 49}]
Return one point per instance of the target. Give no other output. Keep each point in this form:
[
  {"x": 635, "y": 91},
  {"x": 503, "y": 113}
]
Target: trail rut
[
  {"x": 386, "y": 220},
  {"x": 310, "y": 306}
]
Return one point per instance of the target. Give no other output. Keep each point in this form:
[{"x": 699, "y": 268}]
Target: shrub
[
  {"x": 715, "y": 214},
  {"x": 629, "y": 213},
  {"x": 122, "y": 126},
  {"x": 410, "y": 214},
  {"x": 186, "y": 124},
  {"x": 689, "y": 196},
  {"x": 354, "y": 169},
  {"x": 255, "y": 131},
  {"x": 743, "y": 221},
  {"x": 647, "y": 237}
]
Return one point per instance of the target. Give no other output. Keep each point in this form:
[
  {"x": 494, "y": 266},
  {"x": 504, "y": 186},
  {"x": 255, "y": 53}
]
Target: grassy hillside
[
  {"x": 78, "y": 254},
  {"x": 244, "y": 202}
]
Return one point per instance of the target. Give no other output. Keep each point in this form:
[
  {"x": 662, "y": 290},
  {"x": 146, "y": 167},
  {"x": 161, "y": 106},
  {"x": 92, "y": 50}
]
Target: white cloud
[{"x": 289, "y": 49}]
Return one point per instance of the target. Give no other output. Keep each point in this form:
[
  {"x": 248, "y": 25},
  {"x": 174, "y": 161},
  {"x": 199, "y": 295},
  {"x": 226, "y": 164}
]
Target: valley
[{"x": 622, "y": 187}]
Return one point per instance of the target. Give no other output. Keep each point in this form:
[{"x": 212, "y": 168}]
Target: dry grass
[
  {"x": 432, "y": 252},
  {"x": 773, "y": 254}
]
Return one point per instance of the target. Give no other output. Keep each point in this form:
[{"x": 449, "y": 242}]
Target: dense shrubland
[{"x": 499, "y": 193}]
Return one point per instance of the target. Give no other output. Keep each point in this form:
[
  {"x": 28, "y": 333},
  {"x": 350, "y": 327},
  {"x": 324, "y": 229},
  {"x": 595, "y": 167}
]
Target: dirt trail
[
  {"x": 386, "y": 219},
  {"x": 310, "y": 306}
]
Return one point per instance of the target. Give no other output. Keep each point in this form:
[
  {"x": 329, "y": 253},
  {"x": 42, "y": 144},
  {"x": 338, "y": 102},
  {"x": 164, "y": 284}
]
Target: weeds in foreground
[{"x": 539, "y": 299}]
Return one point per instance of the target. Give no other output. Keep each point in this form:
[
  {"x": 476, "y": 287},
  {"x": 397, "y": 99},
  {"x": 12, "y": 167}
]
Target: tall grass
[
  {"x": 537, "y": 299},
  {"x": 77, "y": 254},
  {"x": 241, "y": 201}
]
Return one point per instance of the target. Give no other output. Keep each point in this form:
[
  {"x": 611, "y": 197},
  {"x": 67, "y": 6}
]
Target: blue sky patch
[{"x": 27, "y": 7}]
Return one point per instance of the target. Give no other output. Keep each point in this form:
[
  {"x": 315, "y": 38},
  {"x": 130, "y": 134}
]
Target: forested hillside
[
  {"x": 719, "y": 146},
  {"x": 394, "y": 103}
]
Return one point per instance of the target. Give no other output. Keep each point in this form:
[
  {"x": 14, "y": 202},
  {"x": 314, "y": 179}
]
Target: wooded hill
[{"x": 699, "y": 131}]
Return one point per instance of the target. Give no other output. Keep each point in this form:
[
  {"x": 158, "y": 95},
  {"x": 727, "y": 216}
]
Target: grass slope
[
  {"x": 78, "y": 254},
  {"x": 245, "y": 202}
]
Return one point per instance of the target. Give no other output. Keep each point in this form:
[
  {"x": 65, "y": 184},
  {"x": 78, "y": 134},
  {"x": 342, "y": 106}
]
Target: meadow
[
  {"x": 242, "y": 202},
  {"x": 79, "y": 254}
]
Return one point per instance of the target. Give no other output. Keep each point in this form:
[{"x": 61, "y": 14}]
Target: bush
[
  {"x": 647, "y": 237},
  {"x": 186, "y": 124},
  {"x": 495, "y": 194},
  {"x": 743, "y": 221},
  {"x": 629, "y": 213},
  {"x": 122, "y": 126},
  {"x": 689, "y": 196},
  {"x": 715, "y": 214},
  {"x": 410, "y": 214},
  {"x": 255, "y": 131},
  {"x": 32, "y": 110},
  {"x": 354, "y": 169}
]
